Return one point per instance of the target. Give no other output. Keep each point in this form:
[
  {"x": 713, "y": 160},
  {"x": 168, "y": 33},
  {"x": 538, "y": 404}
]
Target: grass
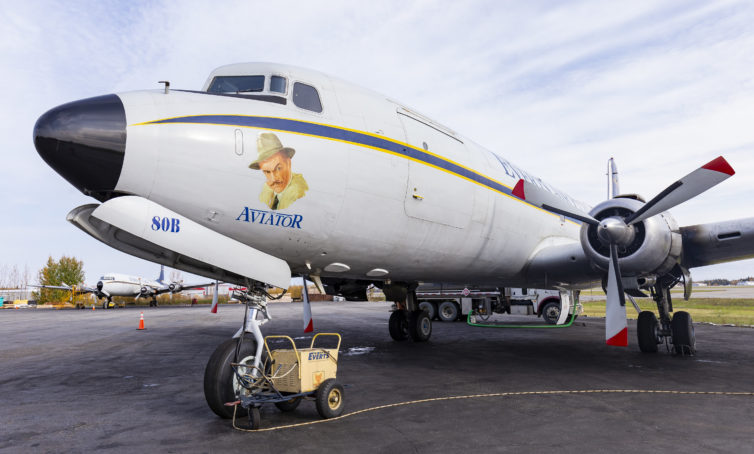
[{"x": 713, "y": 310}]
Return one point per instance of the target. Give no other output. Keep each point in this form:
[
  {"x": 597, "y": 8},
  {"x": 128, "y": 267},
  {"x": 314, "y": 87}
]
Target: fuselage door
[{"x": 435, "y": 191}]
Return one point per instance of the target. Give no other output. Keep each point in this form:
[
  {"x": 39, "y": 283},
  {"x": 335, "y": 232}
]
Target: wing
[
  {"x": 561, "y": 265},
  {"x": 719, "y": 242},
  {"x": 77, "y": 289},
  {"x": 175, "y": 287},
  {"x": 703, "y": 244}
]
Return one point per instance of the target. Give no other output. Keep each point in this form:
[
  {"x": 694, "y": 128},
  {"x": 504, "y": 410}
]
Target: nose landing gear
[{"x": 246, "y": 347}]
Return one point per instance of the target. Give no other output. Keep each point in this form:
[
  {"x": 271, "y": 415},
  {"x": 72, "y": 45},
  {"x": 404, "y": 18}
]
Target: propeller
[
  {"x": 617, "y": 231},
  {"x": 308, "y": 322},
  {"x": 214, "y": 298}
]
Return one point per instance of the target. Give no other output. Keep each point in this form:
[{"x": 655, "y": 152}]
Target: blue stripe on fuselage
[
  {"x": 331, "y": 132},
  {"x": 345, "y": 135}
]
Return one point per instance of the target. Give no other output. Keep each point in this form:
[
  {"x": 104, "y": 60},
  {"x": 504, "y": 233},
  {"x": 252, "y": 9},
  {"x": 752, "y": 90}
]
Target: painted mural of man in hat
[{"x": 282, "y": 187}]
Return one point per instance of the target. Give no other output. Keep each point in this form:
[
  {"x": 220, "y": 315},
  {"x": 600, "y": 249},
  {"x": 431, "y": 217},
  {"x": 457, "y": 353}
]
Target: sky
[{"x": 556, "y": 87}]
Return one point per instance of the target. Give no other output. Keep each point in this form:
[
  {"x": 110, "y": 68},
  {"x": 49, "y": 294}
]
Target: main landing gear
[
  {"x": 408, "y": 320},
  {"x": 221, "y": 385},
  {"x": 677, "y": 330}
]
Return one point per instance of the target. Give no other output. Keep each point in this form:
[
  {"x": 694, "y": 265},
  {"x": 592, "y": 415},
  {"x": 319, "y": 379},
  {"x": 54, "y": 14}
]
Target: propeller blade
[
  {"x": 616, "y": 326},
  {"x": 308, "y": 322},
  {"x": 214, "y": 298},
  {"x": 549, "y": 201},
  {"x": 688, "y": 187}
]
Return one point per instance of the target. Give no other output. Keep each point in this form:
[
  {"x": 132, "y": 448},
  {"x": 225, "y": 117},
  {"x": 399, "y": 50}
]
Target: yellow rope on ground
[{"x": 505, "y": 394}]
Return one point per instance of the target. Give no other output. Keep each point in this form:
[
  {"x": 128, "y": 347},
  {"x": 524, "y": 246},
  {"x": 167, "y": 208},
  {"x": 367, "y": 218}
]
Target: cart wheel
[
  {"x": 288, "y": 405},
  {"x": 254, "y": 418},
  {"x": 330, "y": 399}
]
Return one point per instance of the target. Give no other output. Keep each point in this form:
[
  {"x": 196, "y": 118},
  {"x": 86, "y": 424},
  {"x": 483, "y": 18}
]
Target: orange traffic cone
[
  {"x": 93, "y": 308},
  {"x": 141, "y": 321}
]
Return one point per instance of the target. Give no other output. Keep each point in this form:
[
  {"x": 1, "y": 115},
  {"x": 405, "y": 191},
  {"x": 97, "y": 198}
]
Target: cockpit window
[
  {"x": 277, "y": 84},
  {"x": 236, "y": 84},
  {"x": 107, "y": 278},
  {"x": 306, "y": 97}
]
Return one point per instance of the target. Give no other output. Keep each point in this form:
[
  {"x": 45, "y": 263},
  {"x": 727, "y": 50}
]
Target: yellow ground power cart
[{"x": 290, "y": 375}]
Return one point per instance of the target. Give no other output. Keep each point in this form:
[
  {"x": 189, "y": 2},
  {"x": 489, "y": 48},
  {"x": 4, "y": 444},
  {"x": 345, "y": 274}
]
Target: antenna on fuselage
[
  {"x": 613, "y": 188},
  {"x": 167, "y": 85}
]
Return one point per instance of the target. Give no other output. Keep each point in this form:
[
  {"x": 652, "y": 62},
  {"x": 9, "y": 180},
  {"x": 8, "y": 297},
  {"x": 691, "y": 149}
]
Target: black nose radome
[{"x": 85, "y": 142}]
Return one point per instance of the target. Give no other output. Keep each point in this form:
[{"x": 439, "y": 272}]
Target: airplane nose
[{"x": 85, "y": 142}]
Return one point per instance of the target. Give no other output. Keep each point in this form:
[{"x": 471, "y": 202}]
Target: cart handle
[
  {"x": 326, "y": 334},
  {"x": 279, "y": 337}
]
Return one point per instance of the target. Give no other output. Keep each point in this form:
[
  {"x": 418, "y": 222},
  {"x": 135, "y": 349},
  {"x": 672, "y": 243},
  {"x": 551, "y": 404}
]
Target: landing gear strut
[
  {"x": 677, "y": 330},
  {"x": 220, "y": 382}
]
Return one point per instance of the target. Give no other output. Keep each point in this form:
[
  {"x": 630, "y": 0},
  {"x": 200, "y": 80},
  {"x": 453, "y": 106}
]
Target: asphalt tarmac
[{"x": 83, "y": 381}]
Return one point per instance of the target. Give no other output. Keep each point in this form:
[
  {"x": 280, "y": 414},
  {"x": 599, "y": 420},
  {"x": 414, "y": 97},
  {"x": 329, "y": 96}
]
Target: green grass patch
[{"x": 734, "y": 311}]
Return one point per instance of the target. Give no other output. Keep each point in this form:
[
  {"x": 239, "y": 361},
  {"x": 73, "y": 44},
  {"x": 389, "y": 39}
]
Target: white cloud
[{"x": 663, "y": 87}]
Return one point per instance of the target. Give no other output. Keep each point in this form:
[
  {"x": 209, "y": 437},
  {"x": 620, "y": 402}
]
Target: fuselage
[
  {"x": 116, "y": 284},
  {"x": 372, "y": 189}
]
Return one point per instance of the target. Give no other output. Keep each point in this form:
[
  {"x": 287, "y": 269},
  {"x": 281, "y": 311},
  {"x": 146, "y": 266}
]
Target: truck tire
[
  {"x": 551, "y": 312},
  {"x": 448, "y": 311},
  {"x": 430, "y": 308}
]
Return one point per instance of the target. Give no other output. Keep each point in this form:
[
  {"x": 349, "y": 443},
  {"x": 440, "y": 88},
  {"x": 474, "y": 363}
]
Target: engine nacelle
[
  {"x": 656, "y": 246},
  {"x": 175, "y": 287},
  {"x": 146, "y": 291}
]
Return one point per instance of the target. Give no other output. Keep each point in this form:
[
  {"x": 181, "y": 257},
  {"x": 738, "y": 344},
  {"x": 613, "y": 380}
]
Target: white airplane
[
  {"x": 118, "y": 284},
  {"x": 272, "y": 170}
]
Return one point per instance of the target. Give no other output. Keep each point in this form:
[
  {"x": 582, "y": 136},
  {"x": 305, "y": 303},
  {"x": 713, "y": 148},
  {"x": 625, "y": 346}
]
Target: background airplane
[
  {"x": 118, "y": 284},
  {"x": 272, "y": 170}
]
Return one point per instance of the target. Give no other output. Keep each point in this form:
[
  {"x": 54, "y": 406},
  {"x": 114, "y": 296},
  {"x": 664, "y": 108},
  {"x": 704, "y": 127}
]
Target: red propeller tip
[
  {"x": 309, "y": 327},
  {"x": 719, "y": 164},
  {"x": 518, "y": 190},
  {"x": 620, "y": 339}
]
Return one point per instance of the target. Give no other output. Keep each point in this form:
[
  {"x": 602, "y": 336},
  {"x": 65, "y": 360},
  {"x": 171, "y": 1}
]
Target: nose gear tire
[{"x": 218, "y": 376}]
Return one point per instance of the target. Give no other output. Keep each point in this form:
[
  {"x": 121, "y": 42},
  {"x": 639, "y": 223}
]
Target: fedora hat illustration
[{"x": 267, "y": 145}]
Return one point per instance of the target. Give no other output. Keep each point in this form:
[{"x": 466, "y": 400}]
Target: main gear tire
[
  {"x": 398, "y": 325},
  {"x": 420, "y": 326},
  {"x": 647, "y": 331},
  {"x": 684, "y": 341}
]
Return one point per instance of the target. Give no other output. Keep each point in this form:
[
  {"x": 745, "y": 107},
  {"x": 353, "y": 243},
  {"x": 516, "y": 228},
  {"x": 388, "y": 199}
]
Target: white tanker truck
[{"x": 449, "y": 303}]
